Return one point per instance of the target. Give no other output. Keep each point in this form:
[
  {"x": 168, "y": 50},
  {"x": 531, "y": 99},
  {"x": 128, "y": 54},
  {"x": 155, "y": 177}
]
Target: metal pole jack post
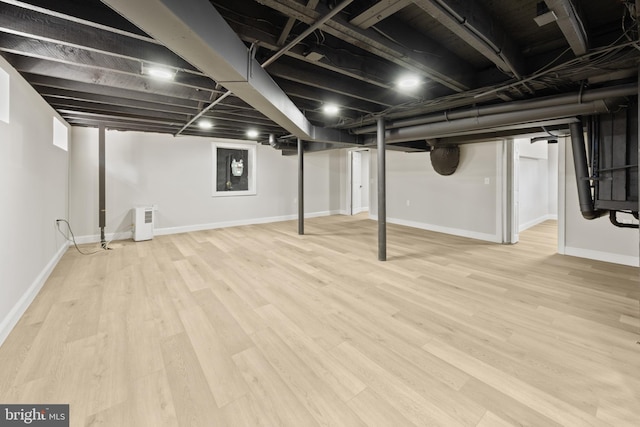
[
  {"x": 300, "y": 187},
  {"x": 101, "y": 186},
  {"x": 382, "y": 193}
]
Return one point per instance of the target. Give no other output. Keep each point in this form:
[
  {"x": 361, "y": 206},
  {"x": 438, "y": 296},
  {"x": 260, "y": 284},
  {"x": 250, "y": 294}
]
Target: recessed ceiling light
[
  {"x": 160, "y": 73},
  {"x": 205, "y": 124},
  {"x": 252, "y": 133},
  {"x": 330, "y": 109},
  {"x": 409, "y": 82}
]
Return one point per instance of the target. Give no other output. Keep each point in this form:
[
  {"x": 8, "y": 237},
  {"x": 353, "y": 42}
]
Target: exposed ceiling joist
[
  {"x": 473, "y": 24},
  {"x": 98, "y": 116},
  {"x": 378, "y": 12},
  {"x": 29, "y": 23},
  {"x": 571, "y": 25},
  {"x": 306, "y": 75},
  {"x": 53, "y": 51},
  {"x": 44, "y": 81},
  {"x": 201, "y": 35},
  {"x": 284, "y": 35},
  {"x": 82, "y": 55},
  {"x": 296, "y": 90},
  {"x": 125, "y": 124},
  {"x": 104, "y": 77},
  {"x": 396, "y": 46},
  {"x": 116, "y": 110},
  {"x": 85, "y": 12},
  {"x": 355, "y": 66},
  {"x": 93, "y": 102},
  {"x": 52, "y": 92},
  {"x": 119, "y": 124}
]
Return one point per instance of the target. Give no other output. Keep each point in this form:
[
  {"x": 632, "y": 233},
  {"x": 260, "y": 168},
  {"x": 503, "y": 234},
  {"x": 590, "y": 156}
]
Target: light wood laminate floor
[{"x": 257, "y": 326}]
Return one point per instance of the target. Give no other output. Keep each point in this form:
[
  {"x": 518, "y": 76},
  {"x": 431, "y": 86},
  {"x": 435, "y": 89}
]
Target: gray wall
[
  {"x": 33, "y": 194},
  {"x": 467, "y": 203},
  {"x": 176, "y": 175}
]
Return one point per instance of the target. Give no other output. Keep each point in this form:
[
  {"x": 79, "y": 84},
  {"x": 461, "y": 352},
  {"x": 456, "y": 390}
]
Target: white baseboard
[
  {"x": 362, "y": 209},
  {"x": 208, "y": 226},
  {"x": 226, "y": 224},
  {"x": 14, "y": 315},
  {"x": 602, "y": 256},
  {"x": 95, "y": 238},
  {"x": 445, "y": 230},
  {"x": 537, "y": 221}
]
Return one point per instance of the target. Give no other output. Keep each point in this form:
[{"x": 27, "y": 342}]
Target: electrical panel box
[{"x": 143, "y": 219}]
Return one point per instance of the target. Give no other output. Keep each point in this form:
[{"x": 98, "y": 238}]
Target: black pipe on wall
[
  {"x": 613, "y": 217},
  {"x": 583, "y": 182}
]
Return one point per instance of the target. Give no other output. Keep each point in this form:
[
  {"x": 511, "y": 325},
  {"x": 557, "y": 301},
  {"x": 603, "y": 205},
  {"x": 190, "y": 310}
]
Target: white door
[{"x": 356, "y": 182}]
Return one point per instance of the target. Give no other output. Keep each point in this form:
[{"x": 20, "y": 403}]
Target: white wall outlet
[
  {"x": 408, "y": 202},
  {"x": 154, "y": 207},
  {"x": 487, "y": 181}
]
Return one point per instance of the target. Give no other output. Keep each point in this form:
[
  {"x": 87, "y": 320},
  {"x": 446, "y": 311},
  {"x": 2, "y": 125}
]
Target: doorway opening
[
  {"x": 358, "y": 181},
  {"x": 532, "y": 190}
]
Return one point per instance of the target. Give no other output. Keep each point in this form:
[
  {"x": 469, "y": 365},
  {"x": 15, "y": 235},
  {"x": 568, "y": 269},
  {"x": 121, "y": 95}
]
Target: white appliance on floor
[{"x": 143, "y": 219}]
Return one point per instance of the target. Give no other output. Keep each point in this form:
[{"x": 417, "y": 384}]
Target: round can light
[
  {"x": 330, "y": 109},
  {"x": 409, "y": 82},
  {"x": 160, "y": 73},
  {"x": 205, "y": 124},
  {"x": 252, "y": 133}
]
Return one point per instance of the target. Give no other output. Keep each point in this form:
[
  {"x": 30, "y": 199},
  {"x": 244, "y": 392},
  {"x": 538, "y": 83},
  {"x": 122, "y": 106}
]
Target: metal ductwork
[
  {"x": 613, "y": 162},
  {"x": 583, "y": 178},
  {"x": 445, "y": 160},
  {"x": 196, "y": 31},
  {"x": 283, "y": 144}
]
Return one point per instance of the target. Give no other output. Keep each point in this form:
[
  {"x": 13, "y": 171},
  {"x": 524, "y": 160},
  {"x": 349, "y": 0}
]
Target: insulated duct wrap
[
  {"x": 445, "y": 159},
  {"x": 583, "y": 181}
]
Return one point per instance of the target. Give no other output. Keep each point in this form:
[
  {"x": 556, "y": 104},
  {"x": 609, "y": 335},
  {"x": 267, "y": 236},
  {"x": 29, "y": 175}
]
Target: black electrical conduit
[
  {"x": 614, "y": 220},
  {"x": 583, "y": 180}
]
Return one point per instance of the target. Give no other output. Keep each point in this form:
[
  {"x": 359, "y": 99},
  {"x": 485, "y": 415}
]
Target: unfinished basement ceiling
[{"x": 89, "y": 62}]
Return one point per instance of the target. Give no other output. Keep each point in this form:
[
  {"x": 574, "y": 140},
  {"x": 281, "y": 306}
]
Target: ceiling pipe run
[
  {"x": 571, "y": 25},
  {"x": 576, "y": 97},
  {"x": 583, "y": 179},
  {"x": 488, "y": 122}
]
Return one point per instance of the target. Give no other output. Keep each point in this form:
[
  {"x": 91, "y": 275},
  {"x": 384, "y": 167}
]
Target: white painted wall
[
  {"x": 467, "y": 203},
  {"x": 595, "y": 239},
  {"x": 176, "y": 175},
  {"x": 33, "y": 194}
]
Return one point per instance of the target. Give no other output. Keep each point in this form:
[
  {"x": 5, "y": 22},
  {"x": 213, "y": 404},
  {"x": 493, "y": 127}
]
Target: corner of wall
[{"x": 13, "y": 316}]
